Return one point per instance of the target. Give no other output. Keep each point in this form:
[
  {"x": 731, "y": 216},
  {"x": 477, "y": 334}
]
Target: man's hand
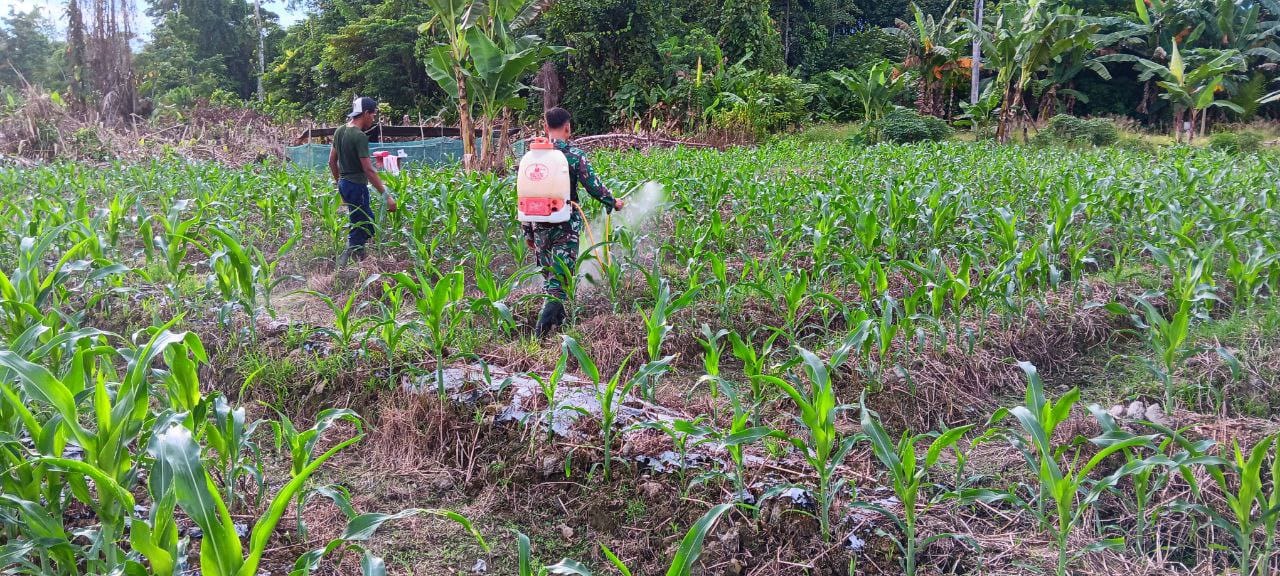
[
  {"x": 391, "y": 203},
  {"x": 618, "y": 204}
]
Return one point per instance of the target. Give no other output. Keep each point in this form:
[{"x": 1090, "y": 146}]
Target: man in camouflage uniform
[{"x": 555, "y": 246}]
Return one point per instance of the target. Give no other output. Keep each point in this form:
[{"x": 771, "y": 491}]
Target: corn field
[{"x": 929, "y": 359}]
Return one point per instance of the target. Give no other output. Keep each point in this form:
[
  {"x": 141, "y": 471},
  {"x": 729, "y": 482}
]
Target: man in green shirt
[
  {"x": 555, "y": 245},
  {"x": 353, "y": 172}
]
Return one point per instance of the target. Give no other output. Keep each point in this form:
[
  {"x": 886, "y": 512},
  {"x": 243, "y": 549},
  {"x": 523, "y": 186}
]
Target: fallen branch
[{"x": 625, "y": 140}]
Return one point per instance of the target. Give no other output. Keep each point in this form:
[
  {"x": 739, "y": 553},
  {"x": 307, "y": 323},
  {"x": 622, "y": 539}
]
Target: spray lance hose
[{"x": 608, "y": 226}]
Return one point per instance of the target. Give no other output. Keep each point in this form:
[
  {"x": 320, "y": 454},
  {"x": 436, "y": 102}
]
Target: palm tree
[{"x": 1194, "y": 91}]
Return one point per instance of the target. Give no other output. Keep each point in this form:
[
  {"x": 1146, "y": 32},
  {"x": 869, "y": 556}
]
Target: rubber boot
[{"x": 551, "y": 317}]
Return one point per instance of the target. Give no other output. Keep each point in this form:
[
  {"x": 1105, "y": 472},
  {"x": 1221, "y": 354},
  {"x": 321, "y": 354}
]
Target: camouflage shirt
[{"x": 580, "y": 172}]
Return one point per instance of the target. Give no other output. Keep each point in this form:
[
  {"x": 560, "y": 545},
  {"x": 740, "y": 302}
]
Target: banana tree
[
  {"x": 1193, "y": 91},
  {"x": 1153, "y": 25},
  {"x": 1029, "y": 35},
  {"x": 1082, "y": 52},
  {"x": 874, "y": 89},
  {"x": 480, "y": 65},
  {"x": 933, "y": 50},
  {"x": 446, "y": 63}
]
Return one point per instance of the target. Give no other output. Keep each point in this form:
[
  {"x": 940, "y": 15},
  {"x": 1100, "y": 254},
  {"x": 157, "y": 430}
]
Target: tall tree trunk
[
  {"x": 1204, "y": 116},
  {"x": 1143, "y": 105},
  {"x": 1177, "y": 124},
  {"x": 464, "y": 120},
  {"x": 1006, "y": 111},
  {"x": 504, "y": 141},
  {"x": 786, "y": 36},
  {"x": 1048, "y": 104},
  {"x": 975, "y": 67},
  {"x": 262, "y": 54}
]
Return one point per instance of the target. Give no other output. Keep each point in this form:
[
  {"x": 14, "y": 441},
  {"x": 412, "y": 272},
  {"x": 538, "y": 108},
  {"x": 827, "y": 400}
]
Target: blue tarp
[{"x": 429, "y": 152}]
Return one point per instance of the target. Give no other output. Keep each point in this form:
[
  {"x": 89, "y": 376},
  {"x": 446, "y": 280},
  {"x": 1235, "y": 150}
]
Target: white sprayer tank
[{"x": 542, "y": 186}]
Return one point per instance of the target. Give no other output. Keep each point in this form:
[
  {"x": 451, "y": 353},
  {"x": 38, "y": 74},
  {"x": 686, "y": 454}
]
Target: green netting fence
[{"x": 429, "y": 152}]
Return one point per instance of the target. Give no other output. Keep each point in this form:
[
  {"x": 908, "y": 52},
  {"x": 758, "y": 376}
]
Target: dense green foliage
[
  {"x": 1065, "y": 129},
  {"x": 714, "y": 64}
]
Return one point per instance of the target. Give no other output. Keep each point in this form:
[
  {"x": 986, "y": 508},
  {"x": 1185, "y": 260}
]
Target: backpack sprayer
[{"x": 542, "y": 189}]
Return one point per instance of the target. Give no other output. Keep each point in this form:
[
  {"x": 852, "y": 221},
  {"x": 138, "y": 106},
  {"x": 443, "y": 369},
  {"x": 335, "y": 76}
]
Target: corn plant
[
  {"x": 347, "y": 323},
  {"x": 665, "y": 304},
  {"x": 551, "y": 384},
  {"x": 754, "y": 361},
  {"x": 1245, "y": 495},
  {"x": 388, "y": 329},
  {"x": 496, "y": 293},
  {"x": 362, "y": 526},
  {"x": 302, "y": 446},
  {"x": 237, "y": 277},
  {"x": 107, "y": 423},
  {"x": 172, "y": 240},
  {"x": 1070, "y": 490},
  {"x": 439, "y": 313},
  {"x": 612, "y": 394},
  {"x": 181, "y": 469},
  {"x": 681, "y": 432},
  {"x": 908, "y": 473},
  {"x": 822, "y": 446},
  {"x": 237, "y": 455},
  {"x": 1167, "y": 339}
]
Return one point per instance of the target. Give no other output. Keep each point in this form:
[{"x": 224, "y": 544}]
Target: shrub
[
  {"x": 905, "y": 125},
  {"x": 89, "y": 145},
  {"x": 1239, "y": 142},
  {"x": 1137, "y": 144},
  {"x": 767, "y": 103},
  {"x": 1066, "y": 129}
]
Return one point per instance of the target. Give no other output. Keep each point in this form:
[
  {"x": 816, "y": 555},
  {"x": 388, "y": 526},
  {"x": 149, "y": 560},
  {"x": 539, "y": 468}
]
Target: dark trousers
[{"x": 356, "y": 197}]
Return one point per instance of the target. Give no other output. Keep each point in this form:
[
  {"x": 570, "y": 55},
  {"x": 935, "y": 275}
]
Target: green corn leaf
[
  {"x": 613, "y": 559},
  {"x": 691, "y": 547},
  {"x": 179, "y": 457}
]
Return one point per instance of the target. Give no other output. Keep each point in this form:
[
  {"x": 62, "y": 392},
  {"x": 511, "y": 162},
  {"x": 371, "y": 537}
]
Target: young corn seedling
[
  {"x": 1167, "y": 339},
  {"x": 388, "y": 329},
  {"x": 438, "y": 314},
  {"x": 347, "y": 323},
  {"x": 681, "y": 432},
  {"x": 497, "y": 292},
  {"x": 1069, "y": 490},
  {"x": 237, "y": 454},
  {"x": 657, "y": 326},
  {"x": 612, "y": 394},
  {"x": 181, "y": 469},
  {"x": 754, "y": 362},
  {"x": 361, "y": 527},
  {"x": 1175, "y": 455},
  {"x": 822, "y": 447},
  {"x": 908, "y": 472},
  {"x": 302, "y": 446},
  {"x": 99, "y": 425},
  {"x": 1245, "y": 495},
  {"x": 238, "y": 277}
]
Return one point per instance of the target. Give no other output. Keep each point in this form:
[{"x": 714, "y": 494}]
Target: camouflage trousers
[{"x": 555, "y": 247}]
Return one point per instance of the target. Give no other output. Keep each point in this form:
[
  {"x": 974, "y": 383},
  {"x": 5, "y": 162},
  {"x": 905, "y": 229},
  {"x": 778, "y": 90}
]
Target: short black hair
[{"x": 557, "y": 117}]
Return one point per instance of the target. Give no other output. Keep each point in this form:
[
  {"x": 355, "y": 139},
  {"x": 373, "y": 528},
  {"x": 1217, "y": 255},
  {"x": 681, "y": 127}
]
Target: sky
[{"x": 54, "y": 10}]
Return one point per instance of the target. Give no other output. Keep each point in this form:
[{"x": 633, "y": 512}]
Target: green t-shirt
[{"x": 352, "y": 145}]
